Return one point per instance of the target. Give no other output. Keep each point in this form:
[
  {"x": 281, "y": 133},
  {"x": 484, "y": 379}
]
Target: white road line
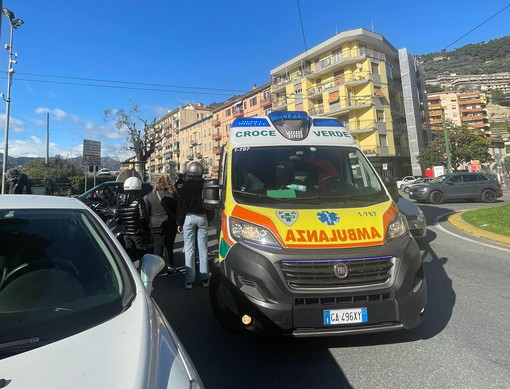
[{"x": 476, "y": 241}]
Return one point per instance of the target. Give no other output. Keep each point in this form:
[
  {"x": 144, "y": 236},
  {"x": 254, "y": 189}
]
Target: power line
[
  {"x": 470, "y": 31},
  {"x": 129, "y": 82},
  {"x": 302, "y": 28},
  {"x": 119, "y": 87}
]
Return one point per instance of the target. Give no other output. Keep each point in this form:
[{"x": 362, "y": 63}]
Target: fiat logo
[{"x": 341, "y": 270}]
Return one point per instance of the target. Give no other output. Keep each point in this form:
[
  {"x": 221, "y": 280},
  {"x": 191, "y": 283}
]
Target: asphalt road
[{"x": 463, "y": 341}]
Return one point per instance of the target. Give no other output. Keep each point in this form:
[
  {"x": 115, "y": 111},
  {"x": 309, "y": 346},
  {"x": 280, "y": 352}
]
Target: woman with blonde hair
[{"x": 161, "y": 206}]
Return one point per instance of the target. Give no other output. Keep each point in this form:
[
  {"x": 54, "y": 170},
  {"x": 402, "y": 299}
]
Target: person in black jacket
[
  {"x": 193, "y": 221},
  {"x": 132, "y": 214},
  {"x": 18, "y": 182},
  {"x": 161, "y": 206},
  {"x": 179, "y": 183}
]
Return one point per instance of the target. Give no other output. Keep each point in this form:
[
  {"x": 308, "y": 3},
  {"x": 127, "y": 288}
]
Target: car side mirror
[
  {"x": 211, "y": 194},
  {"x": 391, "y": 185},
  {"x": 151, "y": 266}
]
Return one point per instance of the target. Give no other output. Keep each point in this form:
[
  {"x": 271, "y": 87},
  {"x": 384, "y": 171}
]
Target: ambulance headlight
[
  {"x": 397, "y": 228},
  {"x": 243, "y": 231}
]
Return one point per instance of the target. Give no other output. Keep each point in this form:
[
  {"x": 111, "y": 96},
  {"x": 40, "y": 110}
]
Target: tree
[
  {"x": 465, "y": 145},
  {"x": 55, "y": 176},
  {"x": 500, "y": 98},
  {"x": 434, "y": 88},
  {"x": 143, "y": 135}
]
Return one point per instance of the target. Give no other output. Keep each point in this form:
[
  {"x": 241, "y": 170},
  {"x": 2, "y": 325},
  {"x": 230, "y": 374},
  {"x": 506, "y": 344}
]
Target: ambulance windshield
[{"x": 300, "y": 173}]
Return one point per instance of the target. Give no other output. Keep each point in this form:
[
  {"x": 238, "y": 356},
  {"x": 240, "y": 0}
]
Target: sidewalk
[{"x": 456, "y": 220}]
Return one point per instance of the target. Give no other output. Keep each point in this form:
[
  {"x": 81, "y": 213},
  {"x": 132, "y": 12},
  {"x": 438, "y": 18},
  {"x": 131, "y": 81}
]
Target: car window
[
  {"x": 482, "y": 177},
  {"x": 456, "y": 179},
  {"x": 58, "y": 274},
  {"x": 469, "y": 177}
]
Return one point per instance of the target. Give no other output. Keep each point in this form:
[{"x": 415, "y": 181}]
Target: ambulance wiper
[{"x": 278, "y": 199}]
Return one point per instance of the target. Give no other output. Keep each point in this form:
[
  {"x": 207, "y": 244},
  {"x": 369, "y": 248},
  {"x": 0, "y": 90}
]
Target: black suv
[{"x": 458, "y": 186}]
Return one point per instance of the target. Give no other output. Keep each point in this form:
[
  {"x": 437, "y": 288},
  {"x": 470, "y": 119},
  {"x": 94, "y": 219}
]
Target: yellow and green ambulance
[{"x": 310, "y": 239}]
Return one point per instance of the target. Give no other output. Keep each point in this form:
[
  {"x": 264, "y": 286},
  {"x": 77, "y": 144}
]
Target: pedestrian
[
  {"x": 179, "y": 182},
  {"x": 132, "y": 215},
  {"x": 161, "y": 207},
  {"x": 193, "y": 221},
  {"x": 18, "y": 182}
]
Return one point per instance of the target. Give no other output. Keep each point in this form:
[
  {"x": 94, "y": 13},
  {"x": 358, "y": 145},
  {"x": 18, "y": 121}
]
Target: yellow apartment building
[{"x": 376, "y": 90}]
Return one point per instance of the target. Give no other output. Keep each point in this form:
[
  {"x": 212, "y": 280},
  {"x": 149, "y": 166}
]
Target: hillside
[
  {"x": 107, "y": 162},
  {"x": 474, "y": 58}
]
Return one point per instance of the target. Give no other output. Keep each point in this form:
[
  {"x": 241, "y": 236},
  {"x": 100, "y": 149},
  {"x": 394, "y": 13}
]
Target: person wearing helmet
[
  {"x": 132, "y": 214},
  {"x": 193, "y": 221},
  {"x": 18, "y": 182}
]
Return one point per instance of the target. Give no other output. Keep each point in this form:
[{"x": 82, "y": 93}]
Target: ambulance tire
[{"x": 219, "y": 296}]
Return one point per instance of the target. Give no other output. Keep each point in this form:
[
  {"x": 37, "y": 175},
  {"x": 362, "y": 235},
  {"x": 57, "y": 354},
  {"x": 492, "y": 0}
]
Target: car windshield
[
  {"x": 301, "y": 175},
  {"x": 59, "y": 276},
  {"x": 439, "y": 179}
]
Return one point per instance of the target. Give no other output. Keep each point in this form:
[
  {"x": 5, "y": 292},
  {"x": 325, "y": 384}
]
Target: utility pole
[
  {"x": 47, "y": 139},
  {"x": 446, "y": 144}
]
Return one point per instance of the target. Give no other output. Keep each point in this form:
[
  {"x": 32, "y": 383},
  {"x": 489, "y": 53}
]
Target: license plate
[{"x": 346, "y": 316}]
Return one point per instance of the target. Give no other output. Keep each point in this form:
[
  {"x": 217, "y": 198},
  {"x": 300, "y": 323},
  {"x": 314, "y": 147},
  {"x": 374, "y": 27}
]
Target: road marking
[{"x": 479, "y": 242}]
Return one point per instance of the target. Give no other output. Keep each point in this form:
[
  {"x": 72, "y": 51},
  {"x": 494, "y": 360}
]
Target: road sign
[{"x": 91, "y": 152}]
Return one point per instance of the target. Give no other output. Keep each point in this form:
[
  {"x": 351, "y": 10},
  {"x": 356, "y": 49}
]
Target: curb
[{"x": 456, "y": 220}]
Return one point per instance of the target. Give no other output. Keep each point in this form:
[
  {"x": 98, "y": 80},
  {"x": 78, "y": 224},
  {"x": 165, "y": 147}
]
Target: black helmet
[{"x": 195, "y": 169}]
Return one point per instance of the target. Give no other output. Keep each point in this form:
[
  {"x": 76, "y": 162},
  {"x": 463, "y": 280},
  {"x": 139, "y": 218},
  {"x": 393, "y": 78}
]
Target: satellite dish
[{"x": 125, "y": 174}]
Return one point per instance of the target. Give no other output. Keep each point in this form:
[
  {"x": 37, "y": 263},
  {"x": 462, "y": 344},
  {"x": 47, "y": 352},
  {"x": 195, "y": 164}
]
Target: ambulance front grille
[{"x": 321, "y": 273}]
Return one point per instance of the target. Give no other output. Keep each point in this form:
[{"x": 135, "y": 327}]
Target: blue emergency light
[
  {"x": 327, "y": 122},
  {"x": 250, "y": 122}
]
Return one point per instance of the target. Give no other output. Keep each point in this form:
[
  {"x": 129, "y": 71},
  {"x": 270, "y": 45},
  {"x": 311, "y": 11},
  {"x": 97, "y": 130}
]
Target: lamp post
[{"x": 15, "y": 23}]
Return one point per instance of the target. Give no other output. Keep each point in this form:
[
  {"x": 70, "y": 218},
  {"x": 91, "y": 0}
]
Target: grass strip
[{"x": 494, "y": 219}]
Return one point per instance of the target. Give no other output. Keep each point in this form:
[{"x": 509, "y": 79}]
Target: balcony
[
  {"x": 238, "y": 113},
  {"x": 334, "y": 62},
  {"x": 314, "y": 93},
  {"x": 216, "y": 150},
  {"x": 216, "y": 136},
  {"x": 280, "y": 104},
  {"x": 319, "y": 110},
  {"x": 266, "y": 102},
  {"x": 216, "y": 122},
  {"x": 474, "y": 101},
  {"x": 361, "y": 126}
]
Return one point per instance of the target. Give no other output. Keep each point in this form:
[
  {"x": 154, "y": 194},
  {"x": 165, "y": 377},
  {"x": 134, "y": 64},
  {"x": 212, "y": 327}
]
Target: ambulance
[{"x": 310, "y": 239}]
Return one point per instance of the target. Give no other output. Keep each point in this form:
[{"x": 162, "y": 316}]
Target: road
[{"x": 463, "y": 341}]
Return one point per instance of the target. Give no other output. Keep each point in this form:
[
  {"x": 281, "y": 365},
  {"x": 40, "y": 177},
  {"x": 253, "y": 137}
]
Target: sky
[{"x": 78, "y": 58}]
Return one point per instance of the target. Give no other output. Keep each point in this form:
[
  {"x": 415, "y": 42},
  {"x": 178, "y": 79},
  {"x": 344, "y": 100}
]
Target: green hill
[{"x": 474, "y": 58}]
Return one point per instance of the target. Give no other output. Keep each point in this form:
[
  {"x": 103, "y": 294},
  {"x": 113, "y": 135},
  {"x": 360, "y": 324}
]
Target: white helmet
[{"x": 132, "y": 183}]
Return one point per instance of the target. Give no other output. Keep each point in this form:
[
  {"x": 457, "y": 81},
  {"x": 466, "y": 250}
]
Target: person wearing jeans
[
  {"x": 195, "y": 229},
  {"x": 193, "y": 221}
]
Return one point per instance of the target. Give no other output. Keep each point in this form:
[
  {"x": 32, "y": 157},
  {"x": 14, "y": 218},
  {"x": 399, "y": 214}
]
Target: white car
[
  {"x": 104, "y": 172},
  {"x": 406, "y": 180},
  {"x": 74, "y": 311}
]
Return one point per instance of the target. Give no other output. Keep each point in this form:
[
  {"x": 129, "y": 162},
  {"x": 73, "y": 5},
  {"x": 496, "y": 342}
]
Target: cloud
[{"x": 57, "y": 113}]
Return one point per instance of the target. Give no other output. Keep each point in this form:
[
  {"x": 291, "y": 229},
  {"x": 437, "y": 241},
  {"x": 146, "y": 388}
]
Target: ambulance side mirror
[
  {"x": 391, "y": 185},
  {"x": 211, "y": 194}
]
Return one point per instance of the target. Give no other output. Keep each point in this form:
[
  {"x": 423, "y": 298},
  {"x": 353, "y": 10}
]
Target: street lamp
[{"x": 15, "y": 23}]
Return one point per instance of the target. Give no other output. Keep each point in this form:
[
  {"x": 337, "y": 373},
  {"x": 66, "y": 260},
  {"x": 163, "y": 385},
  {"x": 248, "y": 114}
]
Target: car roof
[{"x": 19, "y": 201}]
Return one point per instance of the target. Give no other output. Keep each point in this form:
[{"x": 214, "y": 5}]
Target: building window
[
  {"x": 253, "y": 101},
  {"x": 380, "y": 116},
  {"x": 375, "y": 68},
  {"x": 227, "y": 112}
]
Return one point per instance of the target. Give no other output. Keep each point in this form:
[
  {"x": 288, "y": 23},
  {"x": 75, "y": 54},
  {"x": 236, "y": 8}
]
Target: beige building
[{"x": 460, "y": 108}]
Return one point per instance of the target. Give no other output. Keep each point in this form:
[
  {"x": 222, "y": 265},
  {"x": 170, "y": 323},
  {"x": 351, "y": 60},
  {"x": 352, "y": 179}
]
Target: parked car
[
  {"x": 458, "y": 186},
  {"x": 406, "y": 180},
  {"x": 105, "y": 194},
  {"x": 415, "y": 217},
  {"x": 104, "y": 172},
  {"x": 423, "y": 180},
  {"x": 74, "y": 308}
]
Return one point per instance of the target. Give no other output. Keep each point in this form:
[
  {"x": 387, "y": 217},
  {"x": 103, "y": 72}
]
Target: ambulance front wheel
[{"x": 221, "y": 299}]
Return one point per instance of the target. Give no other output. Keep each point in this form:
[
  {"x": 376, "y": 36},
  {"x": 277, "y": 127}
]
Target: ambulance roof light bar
[{"x": 293, "y": 125}]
